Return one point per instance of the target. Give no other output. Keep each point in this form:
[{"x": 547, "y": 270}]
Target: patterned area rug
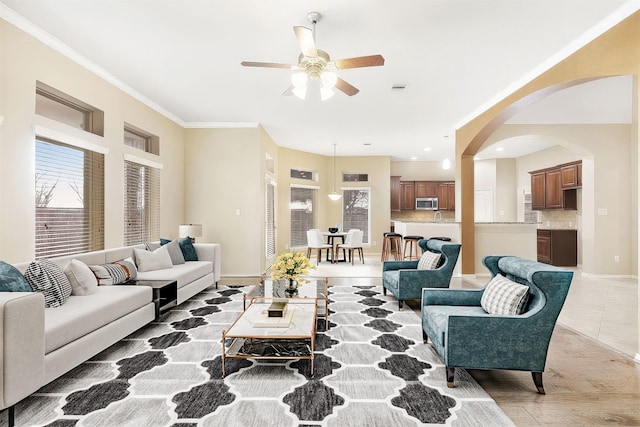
[{"x": 371, "y": 369}]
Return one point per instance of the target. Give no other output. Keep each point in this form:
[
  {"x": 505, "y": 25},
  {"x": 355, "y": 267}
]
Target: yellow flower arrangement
[{"x": 291, "y": 266}]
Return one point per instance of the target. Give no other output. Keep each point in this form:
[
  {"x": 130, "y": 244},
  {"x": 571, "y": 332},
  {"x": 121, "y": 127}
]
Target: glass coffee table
[
  {"x": 255, "y": 335},
  {"x": 316, "y": 290}
]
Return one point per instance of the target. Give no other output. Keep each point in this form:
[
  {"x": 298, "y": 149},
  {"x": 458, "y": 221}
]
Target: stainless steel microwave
[{"x": 427, "y": 203}]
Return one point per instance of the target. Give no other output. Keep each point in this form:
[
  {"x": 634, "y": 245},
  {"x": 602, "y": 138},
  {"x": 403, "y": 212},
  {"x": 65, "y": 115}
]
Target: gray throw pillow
[
  {"x": 47, "y": 277},
  {"x": 82, "y": 279},
  {"x": 11, "y": 280},
  {"x": 175, "y": 252}
]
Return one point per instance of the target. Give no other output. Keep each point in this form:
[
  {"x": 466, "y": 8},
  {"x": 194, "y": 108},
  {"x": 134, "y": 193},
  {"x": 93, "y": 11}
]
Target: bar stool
[
  {"x": 412, "y": 241},
  {"x": 390, "y": 241}
]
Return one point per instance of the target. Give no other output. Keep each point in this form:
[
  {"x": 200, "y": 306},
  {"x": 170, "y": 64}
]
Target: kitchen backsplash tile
[{"x": 559, "y": 219}]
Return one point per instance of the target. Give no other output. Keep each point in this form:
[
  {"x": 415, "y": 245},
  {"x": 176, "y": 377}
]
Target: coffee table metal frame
[
  {"x": 302, "y": 328},
  {"x": 309, "y": 291}
]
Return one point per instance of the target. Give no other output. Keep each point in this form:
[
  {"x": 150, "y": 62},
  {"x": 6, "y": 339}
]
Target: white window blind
[
  {"x": 356, "y": 210},
  {"x": 303, "y": 214},
  {"x": 69, "y": 199},
  {"x": 270, "y": 229},
  {"x": 141, "y": 203}
]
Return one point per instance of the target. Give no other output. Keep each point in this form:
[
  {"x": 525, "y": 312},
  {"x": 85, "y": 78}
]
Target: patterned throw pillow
[
  {"x": 503, "y": 296},
  {"x": 47, "y": 277},
  {"x": 115, "y": 272},
  {"x": 11, "y": 280},
  {"x": 428, "y": 261}
]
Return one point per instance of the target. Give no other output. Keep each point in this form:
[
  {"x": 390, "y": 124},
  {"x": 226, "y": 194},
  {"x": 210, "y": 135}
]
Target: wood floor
[{"x": 586, "y": 383}]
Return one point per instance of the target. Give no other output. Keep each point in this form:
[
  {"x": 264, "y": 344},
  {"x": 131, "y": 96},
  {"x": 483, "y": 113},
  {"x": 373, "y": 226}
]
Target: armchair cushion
[
  {"x": 428, "y": 261},
  {"x": 503, "y": 296}
]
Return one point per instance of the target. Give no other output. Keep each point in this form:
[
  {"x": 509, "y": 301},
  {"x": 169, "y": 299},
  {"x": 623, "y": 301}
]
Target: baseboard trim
[{"x": 609, "y": 276}]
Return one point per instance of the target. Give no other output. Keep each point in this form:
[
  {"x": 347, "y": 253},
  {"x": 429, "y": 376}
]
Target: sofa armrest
[
  {"x": 21, "y": 345},
  {"x": 468, "y": 297},
  {"x": 399, "y": 265},
  {"x": 210, "y": 252}
]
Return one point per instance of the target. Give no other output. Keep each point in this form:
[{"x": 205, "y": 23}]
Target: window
[
  {"x": 303, "y": 174},
  {"x": 58, "y": 106},
  {"x": 141, "y": 203},
  {"x": 355, "y": 177},
  {"x": 141, "y": 140},
  {"x": 270, "y": 229},
  {"x": 303, "y": 214},
  {"x": 356, "y": 210},
  {"x": 69, "y": 199}
]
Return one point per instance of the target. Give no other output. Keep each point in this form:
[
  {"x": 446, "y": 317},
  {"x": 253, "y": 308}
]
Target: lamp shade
[{"x": 191, "y": 230}]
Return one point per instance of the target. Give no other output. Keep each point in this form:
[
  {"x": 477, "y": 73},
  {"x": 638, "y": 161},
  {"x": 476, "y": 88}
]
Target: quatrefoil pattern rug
[{"x": 371, "y": 369}]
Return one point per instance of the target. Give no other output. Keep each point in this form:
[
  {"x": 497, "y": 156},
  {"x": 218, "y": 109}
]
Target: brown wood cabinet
[
  {"x": 426, "y": 188},
  {"x": 555, "y": 188},
  {"x": 558, "y": 247},
  {"x": 571, "y": 175},
  {"x": 396, "y": 195},
  {"x": 408, "y": 194},
  {"x": 447, "y": 196}
]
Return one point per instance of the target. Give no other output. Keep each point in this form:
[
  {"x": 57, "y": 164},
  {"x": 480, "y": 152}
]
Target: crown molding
[
  {"x": 621, "y": 13},
  {"x": 30, "y": 28},
  {"x": 220, "y": 125}
]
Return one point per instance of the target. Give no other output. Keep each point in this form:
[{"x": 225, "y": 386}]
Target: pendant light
[{"x": 334, "y": 196}]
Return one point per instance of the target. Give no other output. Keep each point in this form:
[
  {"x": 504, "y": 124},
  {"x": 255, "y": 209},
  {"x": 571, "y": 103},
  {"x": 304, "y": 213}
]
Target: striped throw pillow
[
  {"x": 115, "y": 272},
  {"x": 503, "y": 296},
  {"x": 47, "y": 277},
  {"x": 428, "y": 261}
]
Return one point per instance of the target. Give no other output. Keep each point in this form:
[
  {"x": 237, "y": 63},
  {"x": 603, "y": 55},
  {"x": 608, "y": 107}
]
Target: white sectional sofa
[{"x": 39, "y": 344}]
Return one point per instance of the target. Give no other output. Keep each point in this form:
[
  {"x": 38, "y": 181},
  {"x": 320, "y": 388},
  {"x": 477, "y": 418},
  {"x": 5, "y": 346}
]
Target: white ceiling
[{"x": 183, "y": 56}]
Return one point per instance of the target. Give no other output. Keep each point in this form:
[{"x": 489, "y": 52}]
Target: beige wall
[
  {"x": 224, "y": 193},
  {"x": 422, "y": 171},
  {"x": 23, "y": 61}
]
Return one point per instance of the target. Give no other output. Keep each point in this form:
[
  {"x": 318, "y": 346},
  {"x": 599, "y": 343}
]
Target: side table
[{"x": 165, "y": 294}]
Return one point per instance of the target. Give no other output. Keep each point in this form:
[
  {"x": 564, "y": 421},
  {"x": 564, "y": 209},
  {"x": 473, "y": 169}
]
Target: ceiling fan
[{"x": 315, "y": 64}]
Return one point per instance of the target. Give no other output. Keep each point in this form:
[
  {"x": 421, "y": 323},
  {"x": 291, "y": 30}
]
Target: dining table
[{"x": 331, "y": 241}]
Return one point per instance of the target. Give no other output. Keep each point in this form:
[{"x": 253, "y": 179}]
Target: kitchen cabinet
[
  {"x": 558, "y": 247},
  {"x": 426, "y": 188},
  {"x": 547, "y": 191},
  {"x": 408, "y": 195},
  {"x": 571, "y": 175},
  {"x": 447, "y": 196},
  {"x": 396, "y": 194}
]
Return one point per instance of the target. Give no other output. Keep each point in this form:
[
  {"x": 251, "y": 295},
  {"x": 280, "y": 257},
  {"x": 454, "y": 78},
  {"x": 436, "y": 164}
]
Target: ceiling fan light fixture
[
  {"x": 326, "y": 93},
  {"x": 300, "y": 92},
  {"x": 299, "y": 79},
  {"x": 329, "y": 79}
]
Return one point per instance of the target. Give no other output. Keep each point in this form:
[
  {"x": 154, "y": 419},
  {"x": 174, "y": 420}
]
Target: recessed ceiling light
[
  {"x": 476, "y": 158},
  {"x": 427, "y": 149},
  {"x": 414, "y": 158},
  {"x": 399, "y": 87},
  {"x": 499, "y": 149}
]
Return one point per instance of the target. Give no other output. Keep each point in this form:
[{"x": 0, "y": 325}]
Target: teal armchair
[
  {"x": 405, "y": 281},
  {"x": 466, "y": 336}
]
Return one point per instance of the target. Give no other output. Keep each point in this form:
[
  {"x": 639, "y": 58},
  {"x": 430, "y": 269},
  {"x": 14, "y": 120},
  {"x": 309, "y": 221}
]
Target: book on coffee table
[{"x": 263, "y": 320}]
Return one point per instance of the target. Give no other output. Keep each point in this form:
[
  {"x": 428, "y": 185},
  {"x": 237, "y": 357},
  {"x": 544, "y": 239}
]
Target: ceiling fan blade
[
  {"x": 306, "y": 42},
  {"x": 346, "y": 87},
  {"x": 288, "y": 91},
  {"x": 266, "y": 64},
  {"x": 360, "y": 61}
]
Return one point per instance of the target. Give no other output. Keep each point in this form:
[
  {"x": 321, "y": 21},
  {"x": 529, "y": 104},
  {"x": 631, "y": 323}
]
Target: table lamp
[{"x": 190, "y": 230}]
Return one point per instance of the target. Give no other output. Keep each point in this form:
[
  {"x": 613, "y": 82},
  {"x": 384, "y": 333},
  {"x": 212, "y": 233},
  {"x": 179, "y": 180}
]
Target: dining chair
[
  {"x": 314, "y": 241},
  {"x": 353, "y": 242}
]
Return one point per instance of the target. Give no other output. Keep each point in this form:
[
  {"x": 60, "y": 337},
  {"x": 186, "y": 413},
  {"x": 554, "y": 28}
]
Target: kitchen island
[{"x": 491, "y": 238}]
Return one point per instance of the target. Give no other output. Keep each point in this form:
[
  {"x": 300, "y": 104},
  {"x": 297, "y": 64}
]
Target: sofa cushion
[
  {"x": 503, "y": 296},
  {"x": 183, "y": 274},
  {"x": 81, "y": 315},
  {"x": 437, "y": 317},
  {"x": 47, "y": 277},
  {"x": 391, "y": 279},
  {"x": 115, "y": 272},
  {"x": 428, "y": 260},
  {"x": 81, "y": 277},
  {"x": 156, "y": 260},
  {"x": 11, "y": 280}
]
